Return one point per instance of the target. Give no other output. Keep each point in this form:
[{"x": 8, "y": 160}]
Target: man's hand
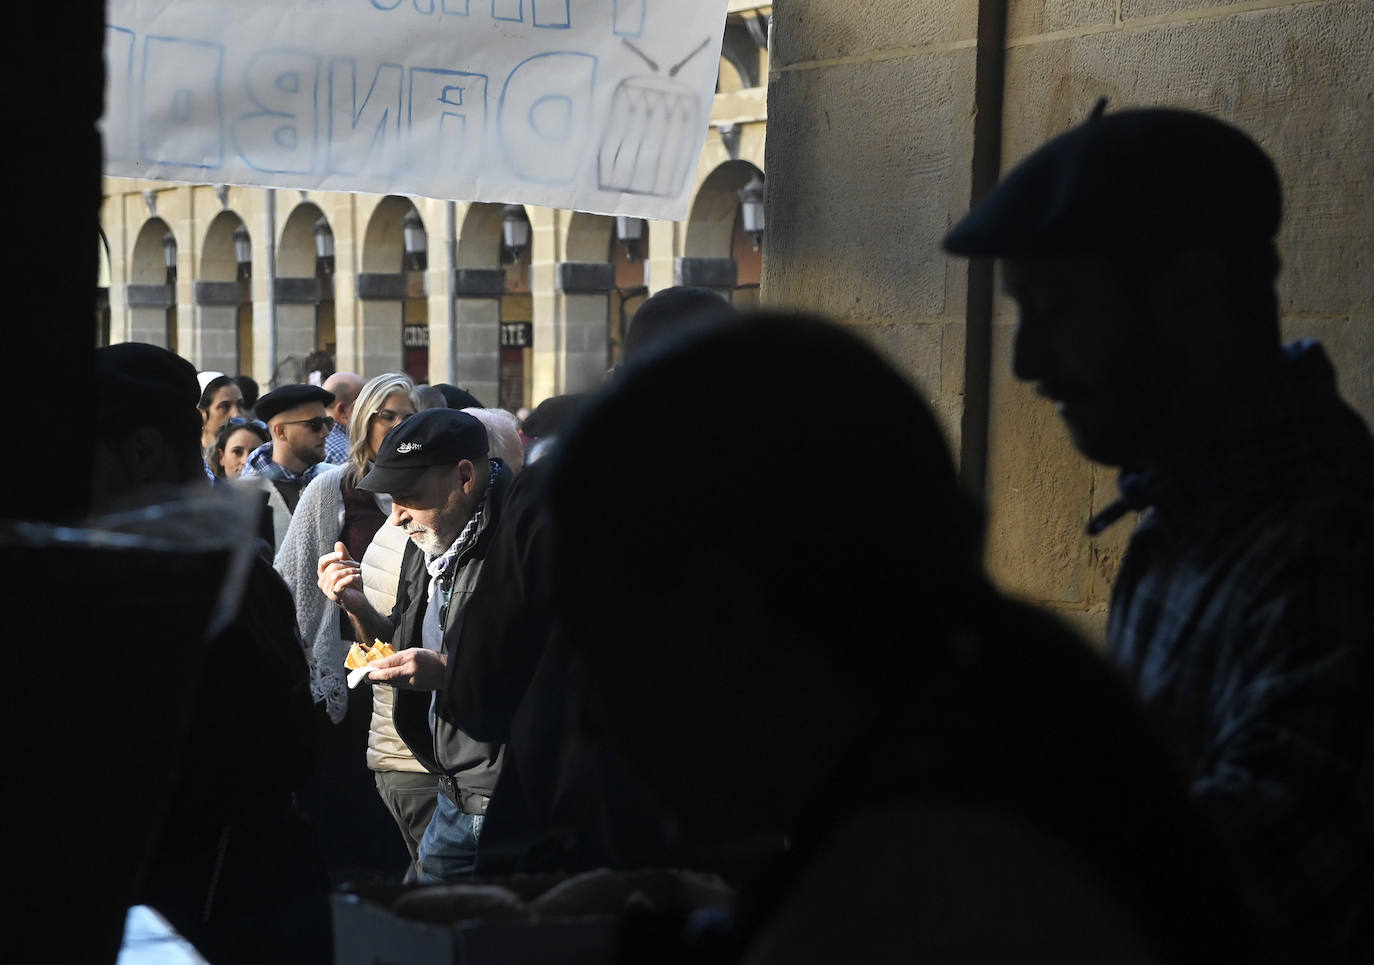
[
  {"x": 341, "y": 579},
  {"x": 412, "y": 669}
]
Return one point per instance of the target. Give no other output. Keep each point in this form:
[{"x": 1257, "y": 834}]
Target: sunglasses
[
  {"x": 317, "y": 424},
  {"x": 241, "y": 421}
]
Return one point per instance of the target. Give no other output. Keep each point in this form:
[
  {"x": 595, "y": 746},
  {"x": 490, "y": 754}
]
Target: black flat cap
[
  {"x": 145, "y": 385},
  {"x": 1142, "y": 180},
  {"x": 553, "y": 413},
  {"x": 288, "y": 397},
  {"x": 434, "y": 437}
]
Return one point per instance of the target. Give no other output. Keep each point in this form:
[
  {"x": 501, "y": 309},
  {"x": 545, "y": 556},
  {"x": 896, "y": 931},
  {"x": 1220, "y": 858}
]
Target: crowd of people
[{"x": 632, "y": 631}]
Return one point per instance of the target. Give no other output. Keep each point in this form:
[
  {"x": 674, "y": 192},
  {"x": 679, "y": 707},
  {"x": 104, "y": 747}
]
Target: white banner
[{"x": 591, "y": 105}]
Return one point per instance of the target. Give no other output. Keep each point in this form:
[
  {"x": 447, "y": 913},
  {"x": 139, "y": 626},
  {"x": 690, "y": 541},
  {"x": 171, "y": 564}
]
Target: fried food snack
[{"x": 358, "y": 657}]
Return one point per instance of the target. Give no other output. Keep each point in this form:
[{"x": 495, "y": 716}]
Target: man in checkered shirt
[
  {"x": 345, "y": 387},
  {"x": 1139, "y": 249}
]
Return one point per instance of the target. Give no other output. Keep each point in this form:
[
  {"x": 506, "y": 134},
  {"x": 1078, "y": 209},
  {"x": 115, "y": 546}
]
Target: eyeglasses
[
  {"x": 241, "y": 421},
  {"x": 317, "y": 424},
  {"x": 386, "y": 415}
]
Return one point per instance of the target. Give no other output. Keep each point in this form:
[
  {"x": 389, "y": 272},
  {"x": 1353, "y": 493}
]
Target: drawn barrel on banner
[{"x": 646, "y": 147}]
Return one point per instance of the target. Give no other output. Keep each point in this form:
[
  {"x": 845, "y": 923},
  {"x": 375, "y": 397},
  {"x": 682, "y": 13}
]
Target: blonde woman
[{"x": 342, "y": 802}]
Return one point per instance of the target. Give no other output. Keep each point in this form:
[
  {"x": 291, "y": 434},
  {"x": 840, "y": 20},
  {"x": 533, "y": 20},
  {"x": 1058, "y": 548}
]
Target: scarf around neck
[{"x": 440, "y": 564}]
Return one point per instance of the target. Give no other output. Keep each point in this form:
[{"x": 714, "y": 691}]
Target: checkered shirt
[
  {"x": 336, "y": 445},
  {"x": 1244, "y": 612},
  {"x": 260, "y": 463}
]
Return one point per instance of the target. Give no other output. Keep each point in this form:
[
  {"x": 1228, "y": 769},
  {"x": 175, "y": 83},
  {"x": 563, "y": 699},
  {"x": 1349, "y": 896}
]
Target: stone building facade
[{"x": 262, "y": 282}]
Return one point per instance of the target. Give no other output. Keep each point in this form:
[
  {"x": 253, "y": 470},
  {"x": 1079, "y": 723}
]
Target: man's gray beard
[{"x": 428, "y": 542}]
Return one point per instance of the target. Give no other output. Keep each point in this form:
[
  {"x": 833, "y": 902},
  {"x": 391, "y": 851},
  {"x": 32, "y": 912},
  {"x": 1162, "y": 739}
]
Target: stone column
[
  {"x": 297, "y": 299},
  {"x": 869, "y": 160},
  {"x": 583, "y": 311},
  {"x": 381, "y": 297},
  {"x": 148, "y": 307},
  {"x": 217, "y": 304},
  {"x": 477, "y": 294},
  {"x": 719, "y": 274}
]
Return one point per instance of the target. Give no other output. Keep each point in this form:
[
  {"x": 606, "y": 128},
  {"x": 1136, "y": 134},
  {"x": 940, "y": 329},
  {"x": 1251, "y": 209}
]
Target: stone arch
[
  {"x": 103, "y": 271},
  {"x": 102, "y": 290},
  {"x": 151, "y": 291},
  {"x": 384, "y": 238},
  {"x": 224, "y": 307},
  {"x": 717, "y": 252},
  {"x": 479, "y": 239},
  {"x": 146, "y": 263},
  {"x": 296, "y": 247},
  {"x": 711, "y": 223},
  {"x": 306, "y": 320},
  {"x": 589, "y": 237},
  {"x": 740, "y": 61},
  {"x": 730, "y": 77},
  {"x": 218, "y": 259}
]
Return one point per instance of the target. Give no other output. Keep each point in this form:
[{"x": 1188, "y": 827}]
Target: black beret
[
  {"x": 456, "y": 398},
  {"x": 145, "y": 385},
  {"x": 1142, "y": 180},
  {"x": 673, "y": 311},
  {"x": 288, "y": 397},
  {"x": 552, "y": 414},
  {"x": 434, "y": 437}
]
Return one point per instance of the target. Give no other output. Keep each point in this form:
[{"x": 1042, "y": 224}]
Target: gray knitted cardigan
[{"x": 314, "y": 529}]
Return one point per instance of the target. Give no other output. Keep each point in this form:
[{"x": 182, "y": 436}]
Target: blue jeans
[{"x": 448, "y": 851}]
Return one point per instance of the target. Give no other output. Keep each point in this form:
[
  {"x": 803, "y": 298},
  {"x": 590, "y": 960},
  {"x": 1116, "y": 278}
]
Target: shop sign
[{"x": 517, "y": 334}]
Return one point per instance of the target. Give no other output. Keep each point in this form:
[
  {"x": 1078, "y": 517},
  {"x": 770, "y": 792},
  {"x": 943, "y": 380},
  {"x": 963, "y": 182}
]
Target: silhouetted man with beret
[
  {"x": 1139, "y": 249},
  {"x": 234, "y": 867}
]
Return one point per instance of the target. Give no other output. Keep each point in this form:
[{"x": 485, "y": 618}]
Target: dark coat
[
  {"x": 450, "y": 751},
  {"x": 563, "y": 802}
]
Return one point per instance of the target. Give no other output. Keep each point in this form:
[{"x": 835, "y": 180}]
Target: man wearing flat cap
[
  {"x": 233, "y": 866},
  {"x": 447, "y": 495},
  {"x": 1139, "y": 250},
  {"x": 299, "y": 426}
]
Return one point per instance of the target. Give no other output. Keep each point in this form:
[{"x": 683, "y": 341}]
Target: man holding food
[{"x": 446, "y": 494}]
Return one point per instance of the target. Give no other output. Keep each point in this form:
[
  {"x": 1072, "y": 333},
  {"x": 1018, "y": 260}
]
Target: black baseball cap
[
  {"x": 553, "y": 413},
  {"x": 434, "y": 437},
  {"x": 288, "y": 397},
  {"x": 1140, "y": 180}
]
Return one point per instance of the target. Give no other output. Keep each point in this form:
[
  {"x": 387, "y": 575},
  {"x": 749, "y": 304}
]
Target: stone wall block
[
  {"x": 1030, "y": 18},
  {"x": 823, "y": 29},
  {"x": 1350, "y": 344},
  {"x": 855, "y": 221},
  {"x": 1040, "y": 493},
  {"x": 1298, "y": 80}
]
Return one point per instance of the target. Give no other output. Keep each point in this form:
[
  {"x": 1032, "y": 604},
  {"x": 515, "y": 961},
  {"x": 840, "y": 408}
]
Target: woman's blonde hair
[{"x": 372, "y": 397}]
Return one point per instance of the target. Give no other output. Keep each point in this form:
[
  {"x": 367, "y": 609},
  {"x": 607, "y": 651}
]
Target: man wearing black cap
[
  {"x": 447, "y": 495},
  {"x": 1139, "y": 249},
  {"x": 233, "y": 867},
  {"x": 299, "y": 425}
]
